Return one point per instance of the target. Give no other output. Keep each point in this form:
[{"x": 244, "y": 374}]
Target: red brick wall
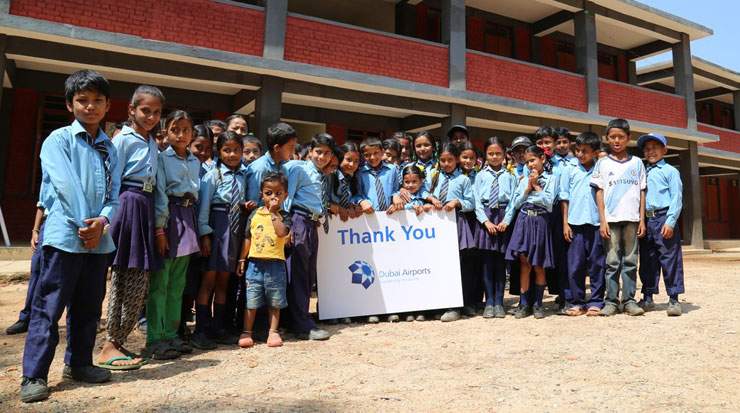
[
  {"x": 325, "y": 44},
  {"x": 729, "y": 140},
  {"x": 503, "y": 77},
  {"x": 636, "y": 103},
  {"x": 202, "y": 23}
]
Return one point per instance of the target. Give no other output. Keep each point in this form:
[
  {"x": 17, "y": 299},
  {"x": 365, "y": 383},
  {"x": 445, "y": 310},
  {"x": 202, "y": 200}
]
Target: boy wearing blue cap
[{"x": 660, "y": 249}]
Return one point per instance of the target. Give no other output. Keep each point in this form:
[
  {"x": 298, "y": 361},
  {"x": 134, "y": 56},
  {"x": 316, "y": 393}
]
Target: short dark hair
[
  {"x": 323, "y": 139},
  {"x": 215, "y": 122},
  {"x": 452, "y": 148},
  {"x": 202, "y": 131},
  {"x": 369, "y": 142},
  {"x": 152, "y": 91},
  {"x": 618, "y": 124},
  {"x": 279, "y": 134},
  {"x": 251, "y": 139},
  {"x": 589, "y": 138},
  {"x": 544, "y": 131},
  {"x": 85, "y": 80},
  {"x": 274, "y": 177},
  {"x": 392, "y": 144},
  {"x": 561, "y": 131}
]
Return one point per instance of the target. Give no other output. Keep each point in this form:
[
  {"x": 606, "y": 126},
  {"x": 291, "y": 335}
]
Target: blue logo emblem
[{"x": 362, "y": 273}]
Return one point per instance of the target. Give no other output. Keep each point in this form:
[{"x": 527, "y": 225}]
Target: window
[{"x": 498, "y": 39}]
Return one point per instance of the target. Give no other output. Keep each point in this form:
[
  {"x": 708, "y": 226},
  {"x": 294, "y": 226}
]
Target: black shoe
[
  {"x": 18, "y": 327},
  {"x": 34, "y": 390},
  {"x": 86, "y": 374},
  {"x": 499, "y": 312},
  {"x": 226, "y": 338},
  {"x": 469, "y": 311},
  {"x": 180, "y": 346},
  {"x": 202, "y": 342},
  {"x": 538, "y": 311},
  {"x": 523, "y": 312}
]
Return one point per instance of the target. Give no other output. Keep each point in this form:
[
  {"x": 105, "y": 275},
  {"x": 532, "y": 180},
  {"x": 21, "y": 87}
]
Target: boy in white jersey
[{"x": 620, "y": 183}]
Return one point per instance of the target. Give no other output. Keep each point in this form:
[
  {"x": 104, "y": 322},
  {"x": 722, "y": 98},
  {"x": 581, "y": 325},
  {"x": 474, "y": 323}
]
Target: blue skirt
[
  {"x": 132, "y": 230},
  {"x": 466, "y": 228},
  {"x": 182, "y": 235},
  {"x": 225, "y": 246},
  {"x": 532, "y": 237},
  {"x": 493, "y": 243}
]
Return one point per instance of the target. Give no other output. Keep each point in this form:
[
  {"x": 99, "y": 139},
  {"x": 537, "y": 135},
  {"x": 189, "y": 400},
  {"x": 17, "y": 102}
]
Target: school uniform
[
  {"x": 306, "y": 203},
  {"x": 585, "y": 253},
  {"x": 377, "y": 185},
  {"x": 558, "y": 276},
  {"x": 663, "y": 204},
  {"x": 175, "y": 197},
  {"x": 256, "y": 171},
  {"x": 492, "y": 192},
  {"x": 341, "y": 191},
  {"x": 447, "y": 187},
  {"x": 132, "y": 230},
  {"x": 81, "y": 173}
]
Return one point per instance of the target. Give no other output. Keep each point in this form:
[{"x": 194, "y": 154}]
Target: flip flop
[
  {"x": 108, "y": 364},
  {"x": 593, "y": 312}
]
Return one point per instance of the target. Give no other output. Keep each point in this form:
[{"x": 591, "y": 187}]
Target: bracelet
[
  {"x": 242, "y": 260},
  {"x": 36, "y": 231}
]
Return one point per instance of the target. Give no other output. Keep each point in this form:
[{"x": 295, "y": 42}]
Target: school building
[{"x": 371, "y": 67}]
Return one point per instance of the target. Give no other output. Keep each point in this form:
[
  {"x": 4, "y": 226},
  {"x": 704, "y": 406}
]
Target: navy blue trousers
[
  {"x": 74, "y": 281},
  {"x": 494, "y": 277},
  {"x": 25, "y": 314},
  {"x": 559, "y": 274},
  {"x": 586, "y": 256},
  {"x": 301, "y": 263},
  {"x": 658, "y": 253}
]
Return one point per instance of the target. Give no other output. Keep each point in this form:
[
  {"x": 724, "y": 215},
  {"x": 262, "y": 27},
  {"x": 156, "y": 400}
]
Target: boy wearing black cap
[
  {"x": 518, "y": 146},
  {"x": 458, "y": 134},
  {"x": 660, "y": 249}
]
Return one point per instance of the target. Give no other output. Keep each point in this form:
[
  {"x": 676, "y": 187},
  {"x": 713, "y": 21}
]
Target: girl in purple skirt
[
  {"x": 450, "y": 190},
  {"x": 493, "y": 189},
  {"x": 531, "y": 240},
  {"x": 220, "y": 226},
  {"x": 176, "y": 237},
  {"x": 132, "y": 228}
]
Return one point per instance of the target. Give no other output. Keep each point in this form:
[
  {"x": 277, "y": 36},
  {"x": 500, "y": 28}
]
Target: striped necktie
[
  {"x": 344, "y": 193},
  {"x": 325, "y": 202},
  {"x": 103, "y": 151},
  {"x": 380, "y": 193},
  {"x": 444, "y": 188},
  {"x": 493, "y": 199},
  {"x": 235, "y": 209}
]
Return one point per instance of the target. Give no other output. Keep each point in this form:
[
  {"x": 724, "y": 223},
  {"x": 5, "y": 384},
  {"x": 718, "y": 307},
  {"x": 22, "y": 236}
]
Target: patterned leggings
[{"x": 128, "y": 293}]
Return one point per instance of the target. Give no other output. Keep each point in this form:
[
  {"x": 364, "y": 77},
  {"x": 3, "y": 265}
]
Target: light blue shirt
[
  {"x": 665, "y": 190},
  {"x": 559, "y": 163},
  {"x": 138, "y": 157},
  {"x": 389, "y": 178},
  {"x": 255, "y": 172},
  {"x": 521, "y": 171},
  {"x": 76, "y": 173},
  {"x": 176, "y": 176},
  {"x": 215, "y": 189},
  {"x": 46, "y": 193},
  {"x": 575, "y": 187},
  {"x": 458, "y": 188},
  {"x": 483, "y": 186},
  {"x": 543, "y": 198},
  {"x": 206, "y": 167},
  {"x": 417, "y": 199},
  {"x": 305, "y": 186}
]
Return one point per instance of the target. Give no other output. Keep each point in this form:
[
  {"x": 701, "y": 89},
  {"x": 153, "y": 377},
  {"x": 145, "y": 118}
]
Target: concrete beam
[
  {"x": 683, "y": 77},
  {"x": 648, "y": 49},
  {"x": 692, "y": 197},
  {"x": 548, "y": 24},
  {"x": 736, "y": 108},
  {"x": 350, "y": 119},
  {"x": 711, "y": 93},
  {"x": 276, "y": 18},
  {"x": 632, "y": 73},
  {"x": 655, "y": 76},
  {"x": 11, "y": 70},
  {"x": 717, "y": 78},
  {"x": 453, "y": 33},
  {"x": 268, "y": 109},
  {"x": 243, "y": 102},
  {"x": 587, "y": 56},
  {"x": 631, "y": 20},
  {"x": 417, "y": 122}
]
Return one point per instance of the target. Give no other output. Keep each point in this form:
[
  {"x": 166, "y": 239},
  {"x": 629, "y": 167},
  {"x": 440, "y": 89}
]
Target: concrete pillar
[
  {"x": 457, "y": 116},
  {"x": 276, "y": 17},
  {"x": 453, "y": 33},
  {"x": 632, "y": 72},
  {"x": 683, "y": 77},
  {"x": 268, "y": 105},
  {"x": 587, "y": 56},
  {"x": 736, "y": 108},
  {"x": 691, "y": 215}
]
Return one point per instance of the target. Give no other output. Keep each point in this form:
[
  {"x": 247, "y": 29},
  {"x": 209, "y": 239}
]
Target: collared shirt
[
  {"x": 575, "y": 187},
  {"x": 484, "y": 184},
  {"x": 77, "y": 175},
  {"x": 138, "y": 157},
  {"x": 215, "y": 189},
  {"x": 389, "y": 178},
  {"x": 559, "y": 164},
  {"x": 664, "y": 190},
  {"x": 458, "y": 188},
  {"x": 622, "y": 182},
  {"x": 543, "y": 198},
  {"x": 305, "y": 186},
  {"x": 256, "y": 171},
  {"x": 417, "y": 199},
  {"x": 206, "y": 167},
  {"x": 176, "y": 176}
]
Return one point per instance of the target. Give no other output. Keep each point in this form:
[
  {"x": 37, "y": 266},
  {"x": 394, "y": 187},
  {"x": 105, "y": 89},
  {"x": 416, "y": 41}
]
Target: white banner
[{"x": 386, "y": 264}]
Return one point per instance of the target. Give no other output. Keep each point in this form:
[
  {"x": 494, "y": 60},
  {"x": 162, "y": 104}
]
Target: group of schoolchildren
[{"x": 197, "y": 217}]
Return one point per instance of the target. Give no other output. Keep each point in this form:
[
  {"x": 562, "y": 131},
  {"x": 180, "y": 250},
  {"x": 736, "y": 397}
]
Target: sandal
[
  {"x": 274, "y": 339},
  {"x": 593, "y": 312},
  {"x": 245, "y": 340},
  {"x": 108, "y": 364},
  {"x": 575, "y": 311}
]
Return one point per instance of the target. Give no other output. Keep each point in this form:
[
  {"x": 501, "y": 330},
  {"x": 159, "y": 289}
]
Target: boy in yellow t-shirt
[{"x": 264, "y": 243}]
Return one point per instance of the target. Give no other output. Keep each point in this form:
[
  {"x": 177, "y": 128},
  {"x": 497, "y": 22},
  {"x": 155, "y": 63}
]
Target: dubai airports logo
[{"x": 362, "y": 273}]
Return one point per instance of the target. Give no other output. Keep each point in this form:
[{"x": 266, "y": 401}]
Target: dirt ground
[{"x": 650, "y": 363}]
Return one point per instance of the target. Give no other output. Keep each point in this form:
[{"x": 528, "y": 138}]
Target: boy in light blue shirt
[
  {"x": 80, "y": 162},
  {"x": 377, "y": 180},
  {"x": 585, "y": 250},
  {"x": 660, "y": 249}
]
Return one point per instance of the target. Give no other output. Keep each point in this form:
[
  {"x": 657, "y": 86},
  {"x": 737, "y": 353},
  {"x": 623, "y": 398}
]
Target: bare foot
[
  {"x": 274, "y": 339},
  {"x": 110, "y": 350},
  {"x": 245, "y": 340}
]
